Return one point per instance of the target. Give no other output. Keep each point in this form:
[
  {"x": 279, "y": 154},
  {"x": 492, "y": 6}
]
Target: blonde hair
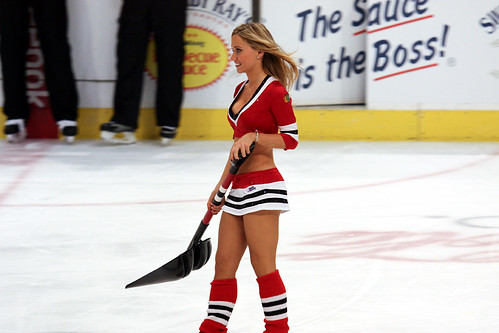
[{"x": 276, "y": 62}]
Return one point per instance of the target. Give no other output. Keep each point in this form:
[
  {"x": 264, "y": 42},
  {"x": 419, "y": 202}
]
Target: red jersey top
[{"x": 268, "y": 111}]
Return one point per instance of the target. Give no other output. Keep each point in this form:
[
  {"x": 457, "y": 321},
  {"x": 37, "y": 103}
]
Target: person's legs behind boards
[
  {"x": 52, "y": 23},
  {"x": 168, "y": 20},
  {"x": 131, "y": 51},
  {"x": 14, "y": 23}
]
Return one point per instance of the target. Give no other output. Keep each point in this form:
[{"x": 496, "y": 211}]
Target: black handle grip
[{"x": 236, "y": 164}]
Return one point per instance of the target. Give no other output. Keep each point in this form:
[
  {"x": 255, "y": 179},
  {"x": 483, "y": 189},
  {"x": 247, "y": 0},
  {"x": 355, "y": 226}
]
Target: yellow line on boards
[{"x": 320, "y": 124}]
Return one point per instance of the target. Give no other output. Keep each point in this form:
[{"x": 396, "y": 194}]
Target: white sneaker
[
  {"x": 167, "y": 134},
  {"x": 165, "y": 141},
  {"x": 14, "y": 130}
]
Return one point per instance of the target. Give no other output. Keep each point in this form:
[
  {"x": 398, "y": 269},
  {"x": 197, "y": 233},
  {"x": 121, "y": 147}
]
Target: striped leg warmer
[
  {"x": 223, "y": 297},
  {"x": 274, "y": 302}
]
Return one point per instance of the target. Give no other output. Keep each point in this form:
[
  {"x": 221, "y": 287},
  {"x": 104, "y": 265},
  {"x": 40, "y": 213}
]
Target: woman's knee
[
  {"x": 225, "y": 268},
  {"x": 263, "y": 263}
]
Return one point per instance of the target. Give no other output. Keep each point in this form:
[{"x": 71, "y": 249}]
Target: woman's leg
[
  {"x": 231, "y": 246},
  {"x": 223, "y": 294},
  {"x": 262, "y": 235}
]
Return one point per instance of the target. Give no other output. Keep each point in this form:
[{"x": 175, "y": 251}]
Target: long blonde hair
[{"x": 276, "y": 62}]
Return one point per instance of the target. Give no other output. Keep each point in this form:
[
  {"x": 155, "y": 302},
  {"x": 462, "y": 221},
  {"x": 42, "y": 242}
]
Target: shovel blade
[
  {"x": 202, "y": 252},
  {"x": 175, "y": 269}
]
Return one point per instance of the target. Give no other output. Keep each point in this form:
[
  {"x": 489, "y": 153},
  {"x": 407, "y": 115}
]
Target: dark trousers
[
  {"x": 52, "y": 24},
  {"x": 139, "y": 19}
]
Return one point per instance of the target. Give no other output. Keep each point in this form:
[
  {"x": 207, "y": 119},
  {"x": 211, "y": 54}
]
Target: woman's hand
[
  {"x": 214, "y": 209},
  {"x": 242, "y": 145}
]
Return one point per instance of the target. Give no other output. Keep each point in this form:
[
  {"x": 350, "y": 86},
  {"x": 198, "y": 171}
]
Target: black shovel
[{"x": 198, "y": 252}]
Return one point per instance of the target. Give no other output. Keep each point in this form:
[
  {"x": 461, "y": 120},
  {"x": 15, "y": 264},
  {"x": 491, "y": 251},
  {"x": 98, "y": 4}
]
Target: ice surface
[{"x": 382, "y": 237}]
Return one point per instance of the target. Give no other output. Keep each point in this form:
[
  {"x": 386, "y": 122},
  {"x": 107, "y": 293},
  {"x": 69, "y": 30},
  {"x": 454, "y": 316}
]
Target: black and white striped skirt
[{"x": 255, "y": 191}]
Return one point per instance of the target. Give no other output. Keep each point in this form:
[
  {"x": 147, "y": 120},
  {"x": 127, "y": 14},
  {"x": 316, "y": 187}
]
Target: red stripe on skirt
[{"x": 256, "y": 178}]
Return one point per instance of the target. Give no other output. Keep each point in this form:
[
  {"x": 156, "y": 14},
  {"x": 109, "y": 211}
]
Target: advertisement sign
[
  {"x": 323, "y": 35},
  {"x": 386, "y": 54},
  {"x": 429, "y": 54},
  {"x": 41, "y": 123},
  {"x": 209, "y": 77}
]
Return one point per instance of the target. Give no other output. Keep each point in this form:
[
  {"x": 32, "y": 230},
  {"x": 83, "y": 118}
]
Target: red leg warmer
[
  {"x": 274, "y": 302},
  {"x": 223, "y": 297}
]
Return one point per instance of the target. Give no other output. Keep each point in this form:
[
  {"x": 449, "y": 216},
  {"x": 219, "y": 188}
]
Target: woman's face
[{"x": 244, "y": 56}]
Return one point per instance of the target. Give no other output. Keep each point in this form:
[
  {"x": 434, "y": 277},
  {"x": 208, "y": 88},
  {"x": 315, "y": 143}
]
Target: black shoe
[
  {"x": 15, "y": 130},
  {"x": 116, "y": 128},
  {"x": 11, "y": 129},
  {"x": 110, "y": 129},
  {"x": 68, "y": 129}
]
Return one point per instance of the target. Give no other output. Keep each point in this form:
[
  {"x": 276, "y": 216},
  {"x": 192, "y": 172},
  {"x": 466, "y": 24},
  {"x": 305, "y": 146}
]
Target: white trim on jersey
[
  {"x": 291, "y": 130},
  {"x": 261, "y": 89}
]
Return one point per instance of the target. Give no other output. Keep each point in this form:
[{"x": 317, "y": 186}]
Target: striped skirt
[{"x": 255, "y": 191}]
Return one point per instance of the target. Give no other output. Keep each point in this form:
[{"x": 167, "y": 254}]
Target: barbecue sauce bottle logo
[{"x": 206, "y": 58}]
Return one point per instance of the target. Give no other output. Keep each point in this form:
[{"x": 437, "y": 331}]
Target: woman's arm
[
  {"x": 216, "y": 208},
  {"x": 242, "y": 144}
]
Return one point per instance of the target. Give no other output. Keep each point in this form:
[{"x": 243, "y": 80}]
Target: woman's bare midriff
[{"x": 262, "y": 158}]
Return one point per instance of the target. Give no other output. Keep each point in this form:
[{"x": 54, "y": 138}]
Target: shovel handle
[
  {"x": 236, "y": 164},
  {"x": 234, "y": 168},
  {"x": 217, "y": 200},
  {"x": 181, "y": 266}
]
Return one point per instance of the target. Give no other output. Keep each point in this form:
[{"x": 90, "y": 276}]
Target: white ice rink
[{"x": 383, "y": 237}]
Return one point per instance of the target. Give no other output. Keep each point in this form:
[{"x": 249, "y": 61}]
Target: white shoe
[
  {"x": 127, "y": 139},
  {"x": 167, "y": 134},
  {"x": 165, "y": 141},
  {"x": 15, "y": 131}
]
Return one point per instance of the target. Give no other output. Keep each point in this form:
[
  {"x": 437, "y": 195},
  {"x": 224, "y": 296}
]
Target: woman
[{"x": 260, "y": 113}]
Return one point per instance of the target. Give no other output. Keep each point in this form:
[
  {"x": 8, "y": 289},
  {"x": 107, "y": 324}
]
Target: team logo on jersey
[{"x": 286, "y": 98}]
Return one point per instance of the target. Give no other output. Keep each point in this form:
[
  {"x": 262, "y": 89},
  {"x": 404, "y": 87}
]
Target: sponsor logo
[{"x": 206, "y": 59}]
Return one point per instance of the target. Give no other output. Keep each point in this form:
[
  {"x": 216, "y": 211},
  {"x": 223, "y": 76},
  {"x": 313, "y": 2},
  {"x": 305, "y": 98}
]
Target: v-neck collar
[{"x": 266, "y": 81}]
